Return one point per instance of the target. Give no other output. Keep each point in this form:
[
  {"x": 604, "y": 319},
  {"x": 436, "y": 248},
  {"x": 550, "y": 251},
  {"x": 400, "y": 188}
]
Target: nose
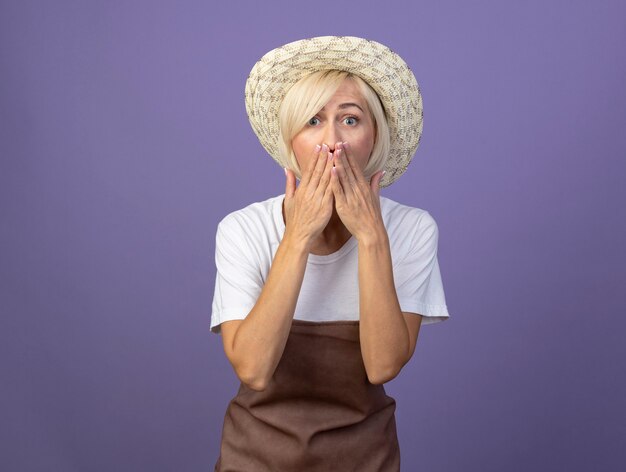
[{"x": 332, "y": 136}]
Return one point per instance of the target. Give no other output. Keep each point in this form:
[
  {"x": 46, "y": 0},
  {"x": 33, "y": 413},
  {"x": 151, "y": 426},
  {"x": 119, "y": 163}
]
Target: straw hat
[{"x": 386, "y": 72}]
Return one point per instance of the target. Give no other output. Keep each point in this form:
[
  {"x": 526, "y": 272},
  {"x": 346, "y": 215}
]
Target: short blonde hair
[{"x": 308, "y": 96}]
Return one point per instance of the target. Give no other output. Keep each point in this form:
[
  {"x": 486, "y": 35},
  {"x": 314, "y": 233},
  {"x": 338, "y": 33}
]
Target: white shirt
[{"x": 247, "y": 240}]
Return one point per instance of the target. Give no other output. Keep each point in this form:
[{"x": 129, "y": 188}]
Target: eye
[
  {"x": 351, "y": 120},
  {"x": 313, "y": 121}
]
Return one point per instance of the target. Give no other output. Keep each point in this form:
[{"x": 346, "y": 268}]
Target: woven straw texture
[{"x": 385, "y": 71}]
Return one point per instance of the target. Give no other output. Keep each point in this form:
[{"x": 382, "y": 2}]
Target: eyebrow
[{"x": 347, "y": 105}]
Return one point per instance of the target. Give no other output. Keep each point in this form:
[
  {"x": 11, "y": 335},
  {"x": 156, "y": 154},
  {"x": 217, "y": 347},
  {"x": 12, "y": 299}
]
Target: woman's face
[{"x": 345, "y": 118}]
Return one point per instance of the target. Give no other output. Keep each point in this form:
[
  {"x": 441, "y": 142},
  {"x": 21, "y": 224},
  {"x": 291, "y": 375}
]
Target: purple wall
[{"x": 124, "y": 140}]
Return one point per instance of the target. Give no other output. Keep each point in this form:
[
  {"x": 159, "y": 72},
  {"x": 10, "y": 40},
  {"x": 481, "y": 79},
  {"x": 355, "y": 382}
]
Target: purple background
[{"x": 124, "y": 140}]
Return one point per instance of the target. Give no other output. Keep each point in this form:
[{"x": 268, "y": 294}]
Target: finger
[
  {"x": 352, "y": 168},
  {"x": 318, "y": 170},
  {"x": 325, "y": 179},
  {"x": 308, "y": 171},
  {"x": 335, "y": 183},
  {"x": 328, "y": 194},
  {"x": 290, "y": 185},
  {"x": 346, "y": 179}
]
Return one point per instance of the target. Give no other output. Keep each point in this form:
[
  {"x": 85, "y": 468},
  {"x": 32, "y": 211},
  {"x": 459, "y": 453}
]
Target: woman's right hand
[{"x": 309, "y": 207}]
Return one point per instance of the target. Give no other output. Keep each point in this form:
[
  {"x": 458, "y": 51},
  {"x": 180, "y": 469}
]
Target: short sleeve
[
  {"x": 238, "y": 278},
  {"x": 417, "y": 276}
]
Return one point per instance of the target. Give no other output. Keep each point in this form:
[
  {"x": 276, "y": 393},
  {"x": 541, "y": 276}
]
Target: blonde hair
[{"x": 308, "y": 96}]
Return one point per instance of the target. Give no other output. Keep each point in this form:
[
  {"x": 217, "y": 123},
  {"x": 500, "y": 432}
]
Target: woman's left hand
[{"x": 357, "y": 200}]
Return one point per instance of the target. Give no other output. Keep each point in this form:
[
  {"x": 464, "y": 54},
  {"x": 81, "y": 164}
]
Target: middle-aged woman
[{"x": 320, "y": 292}]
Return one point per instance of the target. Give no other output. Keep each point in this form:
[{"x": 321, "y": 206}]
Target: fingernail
[
  {"x": 346, "y": 145},
  {"x": 317, "y": 148},
  {"x": 339, "y": 145},
  {"x": 324, "y": 148}
]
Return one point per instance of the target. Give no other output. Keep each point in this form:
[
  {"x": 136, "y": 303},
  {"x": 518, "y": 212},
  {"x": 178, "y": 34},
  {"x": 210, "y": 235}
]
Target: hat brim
[{"x": 385, "y": 71}]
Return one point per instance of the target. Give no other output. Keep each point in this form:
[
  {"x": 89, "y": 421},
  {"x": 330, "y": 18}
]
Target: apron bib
[{"x": 319, "y": 412}]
